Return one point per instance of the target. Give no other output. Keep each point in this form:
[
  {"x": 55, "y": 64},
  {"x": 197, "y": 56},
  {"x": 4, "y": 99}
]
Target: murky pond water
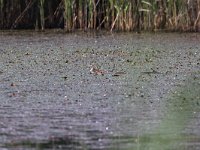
[{"x": 143, "y": 92}]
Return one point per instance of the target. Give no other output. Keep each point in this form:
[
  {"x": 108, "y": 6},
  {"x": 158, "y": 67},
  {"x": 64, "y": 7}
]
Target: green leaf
[
  {"x": 147, "y": 3},
  {"x": 144, "y": 10}
]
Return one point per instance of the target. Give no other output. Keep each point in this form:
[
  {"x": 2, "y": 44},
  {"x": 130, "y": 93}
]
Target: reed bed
[{"x": 117, "y": 15}]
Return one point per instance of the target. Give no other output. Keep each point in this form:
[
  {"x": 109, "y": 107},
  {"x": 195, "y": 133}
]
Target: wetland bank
[{"x": 147, "y": 98}]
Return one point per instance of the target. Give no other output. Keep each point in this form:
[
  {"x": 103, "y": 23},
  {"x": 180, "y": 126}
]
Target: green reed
[
  {"x": 123, "y": 15},
  {"x": 42, "y": 19}
]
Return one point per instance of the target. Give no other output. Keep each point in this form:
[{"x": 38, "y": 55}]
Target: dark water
[{"x": 147, "y": 98}]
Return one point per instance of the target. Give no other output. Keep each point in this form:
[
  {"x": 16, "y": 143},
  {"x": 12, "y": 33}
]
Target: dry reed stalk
[{"x": 124, "y": 15}]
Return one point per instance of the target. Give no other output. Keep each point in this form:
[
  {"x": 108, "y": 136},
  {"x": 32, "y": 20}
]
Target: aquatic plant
[
  {"x": 124, "y": 15},
  {"x": 42, "y": 19}
]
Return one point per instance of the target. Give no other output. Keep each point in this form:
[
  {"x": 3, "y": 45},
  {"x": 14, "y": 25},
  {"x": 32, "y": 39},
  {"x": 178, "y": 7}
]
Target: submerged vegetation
[{"x": 121, "y": 15}]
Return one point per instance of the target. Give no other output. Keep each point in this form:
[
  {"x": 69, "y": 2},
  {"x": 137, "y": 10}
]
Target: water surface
[{"x": 147, "y": 98}]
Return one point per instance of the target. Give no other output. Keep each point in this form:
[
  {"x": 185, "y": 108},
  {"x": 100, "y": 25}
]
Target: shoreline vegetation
[{"x": 111, "y": 15}]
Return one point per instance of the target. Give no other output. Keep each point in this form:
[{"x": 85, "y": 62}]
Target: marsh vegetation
[{"x": 118, "y": 15}]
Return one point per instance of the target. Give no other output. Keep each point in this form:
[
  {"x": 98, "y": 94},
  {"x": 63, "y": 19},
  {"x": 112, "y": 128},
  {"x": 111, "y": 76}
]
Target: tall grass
[
  {"x": 1, "y": 12},
  {"x": 123, "y": 15},
  {"x": 68, "y": 14},
  {"x": 42, "y": 19}
]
